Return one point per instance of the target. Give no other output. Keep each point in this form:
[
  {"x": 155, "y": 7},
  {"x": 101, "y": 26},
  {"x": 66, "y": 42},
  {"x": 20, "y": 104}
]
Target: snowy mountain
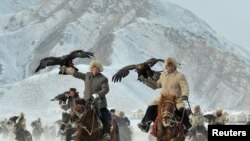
[{"x": 120, "y": 33}]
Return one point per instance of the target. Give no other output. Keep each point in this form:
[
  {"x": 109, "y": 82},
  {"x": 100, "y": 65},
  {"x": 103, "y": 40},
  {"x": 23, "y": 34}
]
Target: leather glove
[
  {"x": 95, "y": 96},
  {"x": 67, "y": 70},
  {"x": 184, "y": 97}
]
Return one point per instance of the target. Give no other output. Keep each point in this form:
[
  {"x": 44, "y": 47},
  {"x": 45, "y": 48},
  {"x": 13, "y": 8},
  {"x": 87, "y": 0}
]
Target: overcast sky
[{"x": 229, "y": 18}]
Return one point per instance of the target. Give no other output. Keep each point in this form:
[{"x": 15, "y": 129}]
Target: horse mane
[
  {"x": 80, "y": 102},
  {"x": 163, "y": 98}
]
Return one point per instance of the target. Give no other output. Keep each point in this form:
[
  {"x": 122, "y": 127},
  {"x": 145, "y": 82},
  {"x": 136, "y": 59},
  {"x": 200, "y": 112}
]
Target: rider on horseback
[
  {"x": 220, "y": 117},
  {"x": 73, "y": 97},
  {"x": 172, "y": 82},
  {"x": 20, "y": 127},
  {"x": 197, "y": 121},
  {"x": 96, "y": 87}
]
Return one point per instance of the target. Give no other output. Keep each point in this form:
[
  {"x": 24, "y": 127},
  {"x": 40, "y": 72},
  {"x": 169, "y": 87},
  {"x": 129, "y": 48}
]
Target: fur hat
[
  {"x": 21, "y": 114},
  {"x": 219, "y": 110},
  {"x": 112, "y": 110},
  {"x": 73, "y": 90},
  {"x": 171, "y": 60},
  {"x": 121, "y": 114},
  {"x": 95, "y": 63},
  {"x": 197, "y": 107}
]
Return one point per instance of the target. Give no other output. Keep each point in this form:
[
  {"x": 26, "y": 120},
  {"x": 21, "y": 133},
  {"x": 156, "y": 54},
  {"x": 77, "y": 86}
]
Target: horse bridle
[
  {"x": 81, "y": 115},
  {"x": 171, "y": 115}
]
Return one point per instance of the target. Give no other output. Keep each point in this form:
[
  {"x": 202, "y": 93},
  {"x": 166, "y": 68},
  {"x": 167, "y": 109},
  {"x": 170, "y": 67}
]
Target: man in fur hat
[
  {"x": 73, "y": 97},
  {"x": 20, "y": 126},
  {"x": 171, "y": 82},
  {"x": 197, "y": 121},
  {"x": 220, "y": 117},
  {"x": 96, "y": 86}
]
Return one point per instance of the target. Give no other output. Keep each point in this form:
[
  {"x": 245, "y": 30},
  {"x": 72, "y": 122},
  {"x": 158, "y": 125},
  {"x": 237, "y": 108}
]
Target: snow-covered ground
[{"x": 137, "y": 134}]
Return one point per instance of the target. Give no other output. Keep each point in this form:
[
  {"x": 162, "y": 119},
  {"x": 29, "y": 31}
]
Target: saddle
[{"x": 99, "y": 121}]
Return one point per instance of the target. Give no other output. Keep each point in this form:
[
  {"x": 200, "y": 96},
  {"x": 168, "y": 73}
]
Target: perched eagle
[
  {"x": 65, "y": 60},
  {"x": 12, "y": 119},
  {"x": 143, "y": 70},
  {"x": 62, "y": 98}
]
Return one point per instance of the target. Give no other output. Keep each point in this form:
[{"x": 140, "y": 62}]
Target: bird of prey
[
  {"x": 143, "y": 70},
  {"x": 62, "y": 98},
  {"x": 12, "y": 119},
  {"x": 209, "y": 118},
  {"x": 65, "y": 60}
]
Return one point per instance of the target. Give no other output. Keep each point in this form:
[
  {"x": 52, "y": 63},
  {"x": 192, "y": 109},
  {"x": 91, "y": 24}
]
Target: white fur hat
[
  {"x": 171, "y": 60},
  {"x": 95, "y": 63}
]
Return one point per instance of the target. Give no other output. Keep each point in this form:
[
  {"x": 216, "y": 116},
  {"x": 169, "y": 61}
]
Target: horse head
[
  {"x": 166, "y": 110},
  {"x": 65, "y": 121},
  {"x": 79, "y": 110}
]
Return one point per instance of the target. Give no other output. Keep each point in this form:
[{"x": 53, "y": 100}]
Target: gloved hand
[
  {"x": 184, "y": 97},
  {"x": 95, "y": 96},
  {"x": 67, "y": 70}
]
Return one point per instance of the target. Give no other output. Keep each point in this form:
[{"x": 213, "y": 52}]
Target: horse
[
  {"x": 125, "y": 130},
  {"x": 169, "y": 126},
  {"x": 66, "y": 127},
  {"x": 198, "y": 134},
  {"x": 4, "y": 129},
  {"x": 89, "y": 125},
  {"x": 59, "y": 135},
  {"x": 50, "y": 132},
  {"x": 37, "y": 132},
  {"x": 21, "y": 134}
]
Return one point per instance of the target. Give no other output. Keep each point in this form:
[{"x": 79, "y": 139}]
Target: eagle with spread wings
[
  {"x": 62, "y": 98},
  {"x": 143, "y": 70},
  {"x": 65, "y": 60}
]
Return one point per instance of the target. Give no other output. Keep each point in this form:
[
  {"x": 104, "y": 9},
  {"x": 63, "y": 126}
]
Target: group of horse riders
[
  {"x": 171, "y": 82},
  {"x": 15, "y": 128}
]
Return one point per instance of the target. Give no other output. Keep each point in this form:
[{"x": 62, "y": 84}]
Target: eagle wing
[
  {"x": 208, "y": 117},
  {"x": 80, "y": 54},
  {"x": 122, "y": 73},
  {"x": 61, "y": 97},
  {"x": 49, "y": 61},
  {"x": 14, "y": 118},
  {"x": 152, "y": 61}
]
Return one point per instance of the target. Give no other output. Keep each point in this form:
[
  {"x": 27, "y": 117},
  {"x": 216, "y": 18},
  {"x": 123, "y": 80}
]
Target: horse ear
[{"x": 80, "y": 101}]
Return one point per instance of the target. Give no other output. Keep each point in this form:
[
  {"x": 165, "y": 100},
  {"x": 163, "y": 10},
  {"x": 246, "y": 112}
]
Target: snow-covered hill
[{"x": 119, "y": 32}]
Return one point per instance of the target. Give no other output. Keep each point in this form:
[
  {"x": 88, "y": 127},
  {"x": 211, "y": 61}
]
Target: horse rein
[
  {"x": 171, "y": 115},
  {"x": 81, "y": 115}
]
